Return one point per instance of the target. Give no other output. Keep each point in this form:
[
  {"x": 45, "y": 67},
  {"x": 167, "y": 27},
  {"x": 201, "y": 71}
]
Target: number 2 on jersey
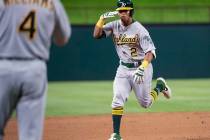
[
  {"x": 29, "y": 24},
  {"x": 133, "y": 52}
]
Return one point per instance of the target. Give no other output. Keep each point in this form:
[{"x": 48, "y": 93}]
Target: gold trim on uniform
[
  {"x": 117, "y": 111},
  {"x": 154, "y": 95}
]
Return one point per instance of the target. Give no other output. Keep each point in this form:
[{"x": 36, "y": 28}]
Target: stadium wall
[{"x": 183, "y": 51}]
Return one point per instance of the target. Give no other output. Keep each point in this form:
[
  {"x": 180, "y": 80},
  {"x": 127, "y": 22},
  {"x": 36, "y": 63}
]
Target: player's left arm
[
  {"x": 149, "y": 49},
  {"x": 139, "y": 73},
  {"x": 149, "y": 56}
]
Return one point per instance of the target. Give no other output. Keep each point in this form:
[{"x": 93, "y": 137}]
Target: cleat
[
  {"x": 164, "y": 88},
  {"x": 167, "y": 92},
  {"x": 161, "y": 84},
  {"x": 115, "y": 136}
]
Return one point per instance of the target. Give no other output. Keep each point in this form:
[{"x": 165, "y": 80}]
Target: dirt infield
[{"x": 142, "y": 126}]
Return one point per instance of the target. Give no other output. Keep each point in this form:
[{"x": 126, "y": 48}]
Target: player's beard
[{"x": 126, "y": 20}]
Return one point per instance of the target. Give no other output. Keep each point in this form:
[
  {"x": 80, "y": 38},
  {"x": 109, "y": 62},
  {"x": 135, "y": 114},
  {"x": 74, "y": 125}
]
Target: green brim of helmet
[{"x": 124, "y": 8}]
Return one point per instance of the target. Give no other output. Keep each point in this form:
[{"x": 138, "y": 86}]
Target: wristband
[
  {"x": 144, "y": 64},
  {"x": 100, "y": 23}
]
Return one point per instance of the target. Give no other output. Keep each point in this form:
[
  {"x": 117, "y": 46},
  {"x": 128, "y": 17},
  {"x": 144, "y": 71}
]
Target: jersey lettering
[{"x": 124, "y": 39}]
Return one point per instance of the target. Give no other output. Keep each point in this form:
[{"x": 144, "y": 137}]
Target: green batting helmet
[{"x": 124, "y": 5}]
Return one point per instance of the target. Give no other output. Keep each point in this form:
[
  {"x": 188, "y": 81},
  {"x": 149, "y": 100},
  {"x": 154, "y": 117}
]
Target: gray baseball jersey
[
  {"x": 26, "y": 30},
  {"x": 27, "y": 27},
  {"x": 132, "y": 43}
]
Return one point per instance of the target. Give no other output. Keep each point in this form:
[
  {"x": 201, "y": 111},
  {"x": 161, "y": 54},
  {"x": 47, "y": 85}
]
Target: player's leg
[
  {"x": 31, "y": 107},
  {"x": 7, "y": 105},
  {"x": 161, "y": 86},
  {"x": 121, "y": 89},
  {"x": 8, "y": 95},
  {"x": 5, "y": 110},
  {"x": 143, "y": 91}
]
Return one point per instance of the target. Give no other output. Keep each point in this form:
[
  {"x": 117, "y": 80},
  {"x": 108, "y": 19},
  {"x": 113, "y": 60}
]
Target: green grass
[
  {"x": 86, "y": 98},
  {"x": 146, "y": 11}
]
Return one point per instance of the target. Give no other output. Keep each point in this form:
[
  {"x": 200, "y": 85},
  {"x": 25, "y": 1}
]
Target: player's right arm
[
  {"x": 62, "y": 30},
  {"x": 98, "y": 30},
  {"x": 102, "y": 30}
]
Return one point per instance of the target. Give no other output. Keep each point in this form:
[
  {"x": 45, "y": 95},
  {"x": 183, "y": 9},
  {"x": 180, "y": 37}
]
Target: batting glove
[
  {"x": 138, "y": 75},
  {"x": 108, "y": 15}
]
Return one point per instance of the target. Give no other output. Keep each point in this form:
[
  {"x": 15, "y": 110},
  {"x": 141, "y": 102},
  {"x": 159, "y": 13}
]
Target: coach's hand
[
  {"x": 138, "y": 75},
  {"x": 108, "y": 15}
]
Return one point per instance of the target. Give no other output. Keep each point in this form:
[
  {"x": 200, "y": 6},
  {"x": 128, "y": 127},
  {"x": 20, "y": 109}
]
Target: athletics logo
[{"x": 122, "y": 4}]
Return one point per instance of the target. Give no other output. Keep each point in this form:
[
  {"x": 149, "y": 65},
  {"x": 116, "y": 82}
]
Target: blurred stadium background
[
  {"x": 81, "y": 73},
  {"x": 146, "y": 11}
]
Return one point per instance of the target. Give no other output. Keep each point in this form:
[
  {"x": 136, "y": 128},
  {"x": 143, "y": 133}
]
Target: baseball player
[
  {"x": 136, "y": 50},
  {"x": 25, "y": 37}
]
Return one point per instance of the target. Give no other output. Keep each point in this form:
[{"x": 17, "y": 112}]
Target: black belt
[
  {"x": 131, "y": 65},
  {"x": 19, "y": 58}
]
